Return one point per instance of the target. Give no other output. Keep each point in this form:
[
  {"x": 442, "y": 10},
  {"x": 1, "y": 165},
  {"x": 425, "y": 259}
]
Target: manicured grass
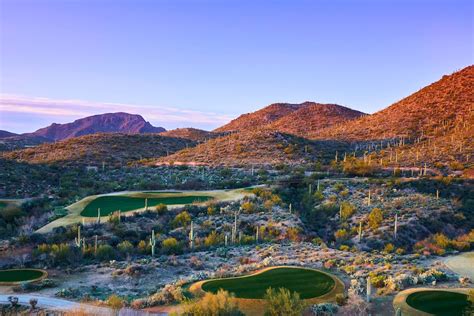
[
  {"x": 112, "y": 203},
  {"x": 439, "y": 302},
  {"x": 308, "y": 283},
  {"x": 19, "y": 275}
]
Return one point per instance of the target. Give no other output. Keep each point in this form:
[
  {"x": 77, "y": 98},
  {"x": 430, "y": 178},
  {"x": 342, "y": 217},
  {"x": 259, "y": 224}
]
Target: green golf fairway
[
  {"x": 308, "y": 283},
  {"x": 20, "y": 275},
  {"x": 111, "y": 203},
  {"x": 439, "y": 302}
]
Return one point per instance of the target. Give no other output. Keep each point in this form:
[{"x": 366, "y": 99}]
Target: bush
[
  {"x": 115, "y": 302},
  {"x": 171, "y": 245},
  {"x": 161, "y": 209},
  {"x": 218, "y": 304},
  {"x": 105, "y": 252},
  {"x": 375, "y": 218},
  {"x": 281, "y": 302},
  {"x": 182, "y": 219}
]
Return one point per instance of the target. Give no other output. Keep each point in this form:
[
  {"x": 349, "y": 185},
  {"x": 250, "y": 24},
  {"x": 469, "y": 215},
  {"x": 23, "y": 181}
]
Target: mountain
[
  {"x": 4, "y": 134},
  {"x": 257, "y": 119},
  {"x": 112, "y": 148},
  {"x": 190, "y": 133},
  {"x": 21, "y": 141},
  {"x": 435, "y": 110},
  {"x": 103, "y": 123},
  {"x": 259, "y": 147},
  {"x": 311, "y": 117}
]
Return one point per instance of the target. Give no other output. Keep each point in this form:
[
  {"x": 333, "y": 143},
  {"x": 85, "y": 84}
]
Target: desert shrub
[
  {"x": 324, "y": 309},
  {"x": 389, "y": 248},
  {"x": 248, "y": 207},
  {"x": 161, "y": 209},
  {"x": 218, "y": 304},
  {"x": 171, "y": 245},
  {"x": 105, "y": 252},
  {"x": 212, "y": 239},
  {"x": 115, "y": 302},
  {"x": 125, "y": 247},
  {"x": 340, "y": 299},
  {"x": 292, "y": 233},
  {"x": 341, "y": 234},
  {"x": 282, "y": 302},
  {"x": 182, "y": 219},
  {"x": 169, "y": 294},
  {"x": 347, "y": 210},
  {"x": 375, "y": 218}
]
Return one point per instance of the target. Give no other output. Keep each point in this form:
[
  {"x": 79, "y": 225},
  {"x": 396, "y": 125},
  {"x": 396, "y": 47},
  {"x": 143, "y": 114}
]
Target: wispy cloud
[{"x": 63, "y": 110}]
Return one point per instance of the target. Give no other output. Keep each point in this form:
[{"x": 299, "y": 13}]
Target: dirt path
[{"x": 58, "y": 304}]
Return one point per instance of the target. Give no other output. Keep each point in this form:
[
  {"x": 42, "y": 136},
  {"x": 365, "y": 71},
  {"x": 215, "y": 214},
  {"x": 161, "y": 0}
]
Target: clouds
[{"x": 37, "y": 109}]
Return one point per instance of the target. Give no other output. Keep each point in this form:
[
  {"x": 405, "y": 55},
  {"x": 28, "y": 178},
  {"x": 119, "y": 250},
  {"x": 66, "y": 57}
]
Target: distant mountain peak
[{"x": 119, "y": 122}]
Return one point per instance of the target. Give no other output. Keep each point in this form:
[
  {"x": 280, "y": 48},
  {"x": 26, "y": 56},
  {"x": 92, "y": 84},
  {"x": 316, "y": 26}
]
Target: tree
[
  {"x": 218, "y": 304},
  {"x": 282, "y": 302},
  {"x": 375, "y": 218}
]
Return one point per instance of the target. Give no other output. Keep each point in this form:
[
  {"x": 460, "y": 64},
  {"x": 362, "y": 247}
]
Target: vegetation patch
[
  {"x": 13, "y": 276},
  {"x": 112, "y": 203},
  {"x": 439, "y": 302},
  {"x": 307, "y": 283}
]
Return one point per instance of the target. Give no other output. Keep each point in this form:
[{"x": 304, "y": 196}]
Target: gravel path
[{"x": 57, "y": 304}]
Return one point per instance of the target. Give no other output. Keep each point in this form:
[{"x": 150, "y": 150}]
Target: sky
[{"x": 201, "y": 63}]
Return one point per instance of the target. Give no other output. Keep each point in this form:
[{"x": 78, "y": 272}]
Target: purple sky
[{"x": 201, "y": 63}]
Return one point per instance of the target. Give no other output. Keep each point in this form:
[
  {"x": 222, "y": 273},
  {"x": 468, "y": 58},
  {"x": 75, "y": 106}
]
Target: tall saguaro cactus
[
  {"x": 78, "y": 240},
  {"x": 369, "y": 198},
  {"x": 153, "y": 242},
  {"x": 369, "y": 289},
  {"x": 191, "y": 236},
  {"x": 360, "y": 231},
  {"x": 98, "y": 215},
  {"x": 146, "y": 204},
  {"x": 395, "y": 229}
]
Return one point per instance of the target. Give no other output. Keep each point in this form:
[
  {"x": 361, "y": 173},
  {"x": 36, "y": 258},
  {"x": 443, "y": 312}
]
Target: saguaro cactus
[
  {"x": 95, "y": 245},
  {"x": 256, "y": 235},
  {"x": 98, "y": 215},
  {"x": 368, "y": 199},
  {"x": 289, "y": 208},
  {"x": 437, "y": 194},
  {"x": 369, "y": 289},
  {"x": 78, "y": 240},
  {"x": 153, "y": 243},
  {"x": 395, "y": 229},
  {"x": 146, "y": 204},
  {"x": 319, "y": 187},
  {"x": 191, "y": 236},
  {"x": 360, "y": 231}
]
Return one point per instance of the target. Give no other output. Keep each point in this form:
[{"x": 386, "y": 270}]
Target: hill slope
[
  {"x": 4, "y": 134},
  {"x": 261, "y": 147},
  {"x": 103, "y": 123},
  {"x": 113, "y": 149},
  {"x": 434, "y": 110},
  {"x": 190, "y": 133},
  {"x": 311, "y": 117},
  {"x": 257, "y": 119}
]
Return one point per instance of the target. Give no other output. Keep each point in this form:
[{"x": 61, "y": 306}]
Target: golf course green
[
  {"x": 20, "y": 275},
  {"x": 439, "y": 302},
  {"x": 308, "y": 283},
  {"x": 111, "y": 203}
]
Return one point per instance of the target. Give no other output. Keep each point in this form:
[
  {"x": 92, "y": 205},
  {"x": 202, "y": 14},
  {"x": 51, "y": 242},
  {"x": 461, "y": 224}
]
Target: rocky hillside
[
  {"x": 261, "y": 147},
  {"x": 4, "y": 134},
  {"x": 194, "y": 134},
  {"x": 435, "y": 110},
  {"x": 113, "y": 149},
  {"x": 311, "y": 117},
  {"x": 257, "y": 119},
  {"x": 104, "y": 123}
]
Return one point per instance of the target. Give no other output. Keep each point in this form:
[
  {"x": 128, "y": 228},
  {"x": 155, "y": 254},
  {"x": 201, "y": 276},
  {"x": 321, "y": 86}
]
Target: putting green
[
  {"x": 308, "y": 283},
  {"x": 13, "y": 276},
  {"x": 439, "y": 302},
  {"x": 111, "y": 203}
]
